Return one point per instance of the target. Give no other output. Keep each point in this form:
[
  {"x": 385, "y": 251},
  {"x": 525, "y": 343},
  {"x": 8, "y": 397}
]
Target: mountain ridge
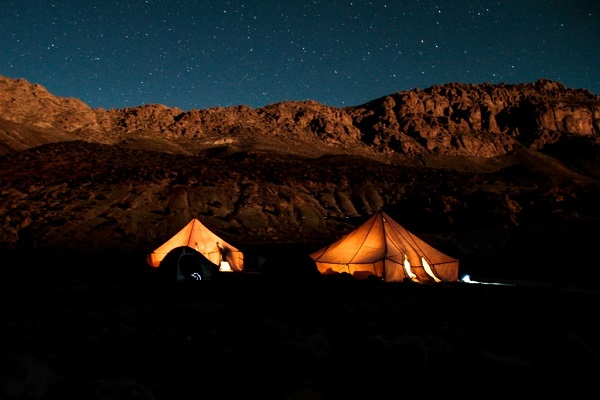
[
  {"x": 480, "y": 171},
  {"x": 445, "y": 120}
]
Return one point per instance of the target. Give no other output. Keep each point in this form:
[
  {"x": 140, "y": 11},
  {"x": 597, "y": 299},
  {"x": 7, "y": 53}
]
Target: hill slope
[{"x": 499, "y": 176}]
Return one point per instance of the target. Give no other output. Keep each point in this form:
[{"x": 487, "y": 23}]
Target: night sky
[{"x": 202, "y": 54}]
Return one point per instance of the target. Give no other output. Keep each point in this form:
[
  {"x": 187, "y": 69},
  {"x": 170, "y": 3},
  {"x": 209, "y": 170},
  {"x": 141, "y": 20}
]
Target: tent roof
[
  {"x": 383, "y": 247},
  {"x": 198, "y": 237}
]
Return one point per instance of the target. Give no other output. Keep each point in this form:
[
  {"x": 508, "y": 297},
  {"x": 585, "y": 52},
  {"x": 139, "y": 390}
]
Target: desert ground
[{"x": 111, "y": 329}]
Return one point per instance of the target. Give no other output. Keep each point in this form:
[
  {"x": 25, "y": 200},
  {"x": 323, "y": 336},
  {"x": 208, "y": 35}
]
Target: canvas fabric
[
  {"x": 198, "y": 237},
  {"x": 384, "y": 248}
]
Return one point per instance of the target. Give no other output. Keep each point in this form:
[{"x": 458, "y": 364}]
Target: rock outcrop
[
  {"x": 480, "y": 171},
  {"x": 458, "y": 120}
]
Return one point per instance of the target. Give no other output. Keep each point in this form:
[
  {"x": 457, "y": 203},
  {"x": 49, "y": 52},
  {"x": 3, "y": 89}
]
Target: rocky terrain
[{"x": 504, "y": 177}]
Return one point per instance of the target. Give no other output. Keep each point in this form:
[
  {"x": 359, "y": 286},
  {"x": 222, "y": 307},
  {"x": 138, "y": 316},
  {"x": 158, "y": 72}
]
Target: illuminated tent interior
[
  {"x": 198, "y": 237},
  {"x": 381, "y": 247}
]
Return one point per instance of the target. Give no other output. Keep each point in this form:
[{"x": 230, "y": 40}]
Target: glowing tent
[
  {"x": 198, "y": 237},
  {"x": 381, "y": 247}
]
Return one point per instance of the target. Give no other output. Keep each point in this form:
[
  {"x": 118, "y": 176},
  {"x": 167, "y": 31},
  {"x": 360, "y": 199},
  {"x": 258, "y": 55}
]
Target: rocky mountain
[{"x": 504, "y": 177}]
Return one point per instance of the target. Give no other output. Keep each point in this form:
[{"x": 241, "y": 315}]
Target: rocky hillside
[{"x": 504, "y": 177}]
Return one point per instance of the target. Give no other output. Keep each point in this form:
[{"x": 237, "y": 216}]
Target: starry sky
[{"x": 195, "y": 54}]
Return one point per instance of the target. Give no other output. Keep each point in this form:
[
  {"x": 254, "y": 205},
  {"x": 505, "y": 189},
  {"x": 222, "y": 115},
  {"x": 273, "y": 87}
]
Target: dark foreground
[{"x": 89, "y": 333}]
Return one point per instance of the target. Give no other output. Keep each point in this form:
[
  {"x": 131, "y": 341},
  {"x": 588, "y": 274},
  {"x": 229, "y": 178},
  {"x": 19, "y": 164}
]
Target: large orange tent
[
  {"x": 383, "y": 248},
  {"x": 198, "y": 237}
]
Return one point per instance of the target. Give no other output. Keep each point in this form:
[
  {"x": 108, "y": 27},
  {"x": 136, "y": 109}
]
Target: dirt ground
[{"x": 117, "y": 332}]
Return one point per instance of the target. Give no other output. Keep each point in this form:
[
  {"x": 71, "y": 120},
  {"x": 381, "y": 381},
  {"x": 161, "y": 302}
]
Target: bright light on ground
[{"x": 468, "y": 279}]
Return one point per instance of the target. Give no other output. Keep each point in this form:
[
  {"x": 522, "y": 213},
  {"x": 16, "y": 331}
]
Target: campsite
[
  {"x": 431, "y": 243},
  {"x": 114, "y": 328}
]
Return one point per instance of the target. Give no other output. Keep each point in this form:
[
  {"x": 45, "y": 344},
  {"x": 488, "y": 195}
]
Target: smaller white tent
[
  {"x": 198, "y": 237},
  {"x": 385, "y": 249}
]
